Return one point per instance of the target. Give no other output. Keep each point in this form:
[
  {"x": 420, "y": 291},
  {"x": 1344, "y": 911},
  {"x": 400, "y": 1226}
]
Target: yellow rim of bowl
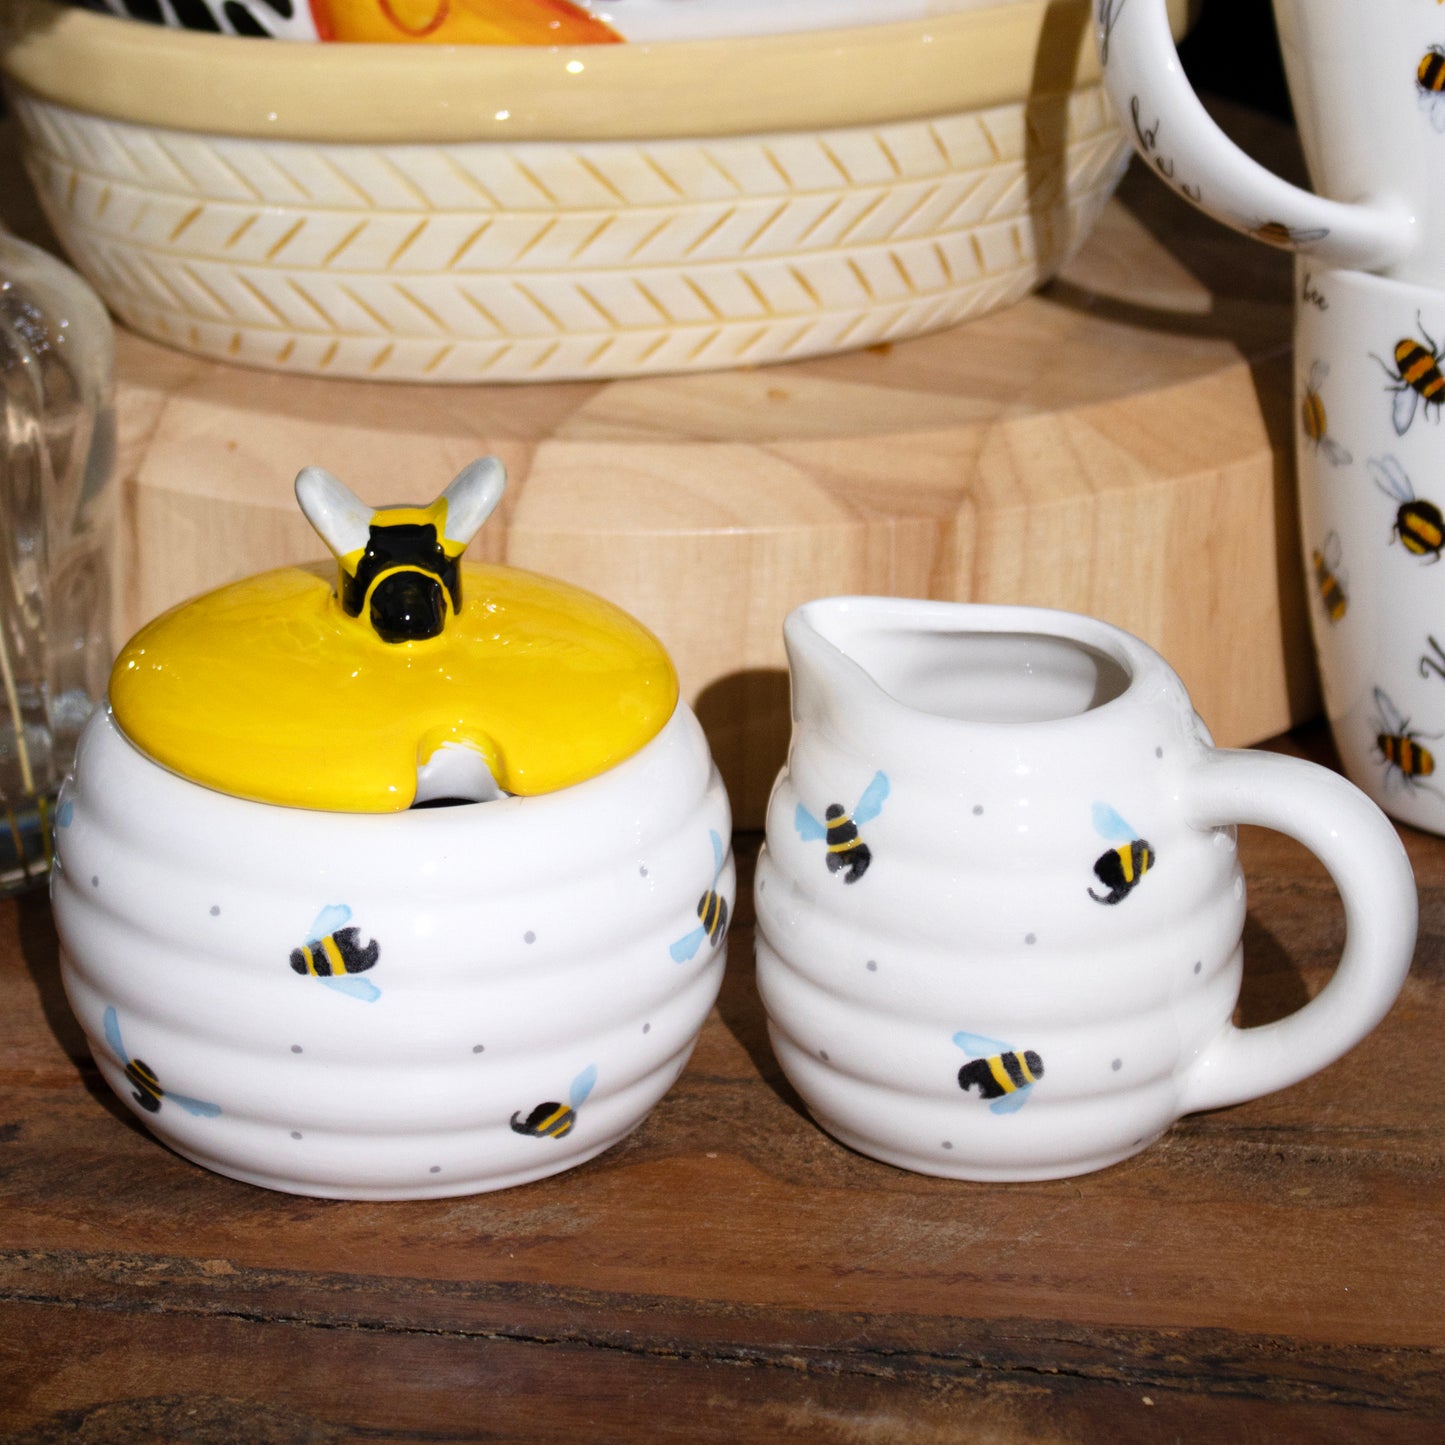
[{"x": 294, "y": 90}]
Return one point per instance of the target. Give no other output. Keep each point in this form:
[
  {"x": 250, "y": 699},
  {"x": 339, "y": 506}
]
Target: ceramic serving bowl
[
  {"x": 330, "y": 992},
  {"x": 474, "y": 213}
]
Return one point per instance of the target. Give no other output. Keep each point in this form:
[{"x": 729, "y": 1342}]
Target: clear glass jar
[{"x": 57, "y": 457}]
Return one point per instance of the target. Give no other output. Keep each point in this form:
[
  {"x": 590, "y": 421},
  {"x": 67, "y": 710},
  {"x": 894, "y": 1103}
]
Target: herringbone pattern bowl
[{"x": 780, "y": 198}]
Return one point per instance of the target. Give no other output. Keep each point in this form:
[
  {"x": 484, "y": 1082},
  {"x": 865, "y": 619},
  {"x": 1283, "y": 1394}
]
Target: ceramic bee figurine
[{"x": 336, "y": 824}]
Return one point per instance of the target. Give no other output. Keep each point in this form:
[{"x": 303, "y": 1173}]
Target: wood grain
[
  {"x": 1118, "y": 445},
  {"x": 730, "y": 1273}
]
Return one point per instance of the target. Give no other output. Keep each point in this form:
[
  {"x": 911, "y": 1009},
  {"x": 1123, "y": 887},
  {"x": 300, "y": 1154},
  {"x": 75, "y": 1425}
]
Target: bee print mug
[
  {"x": 1370, "y": 390},
  {"x": 1367, "y": 82},
  {"x": 1000, "y": 905}
]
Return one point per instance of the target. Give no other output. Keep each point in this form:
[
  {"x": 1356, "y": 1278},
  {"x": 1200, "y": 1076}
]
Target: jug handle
[
  {"x": 1174, "y": 134},
  {"x": 1363, "y": 853}
]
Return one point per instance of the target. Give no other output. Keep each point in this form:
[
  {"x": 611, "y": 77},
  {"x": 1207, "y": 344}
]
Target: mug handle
[
  {"x": 1363, "y": 853},
  {"x": 1172, "y": 131}
]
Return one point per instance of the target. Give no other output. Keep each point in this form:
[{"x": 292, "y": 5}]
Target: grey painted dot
[
  {"x": 436, "y": 1169},
  {"x": 1158, "y": 752},
  {"x": 762, "y": 885},
  {"x": 529, "y": 937},
  {"x": 1031, "y": 938},
  {"x": 1199, "y": 964},
  {"x": 1117, "y": 1065},
  {"x": 823, "y": 1054},
  {"x": 479, "y": 1048},
  {"x": 977, "y": 812},
  {"x": 215, "y": 910},
  {"x": 647, "y": 1028},
  {"x": 94, "y": 880},
  {"x": 872, "y": 965},
  {"x": 643, "y": 870},
  {"x": 295, "y": 1048},
  {"x": 948, "y": 1143},
  {"x": 295, "y": 1133}
]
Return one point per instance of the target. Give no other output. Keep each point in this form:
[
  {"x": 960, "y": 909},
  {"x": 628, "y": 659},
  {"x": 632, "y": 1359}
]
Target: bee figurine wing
[
  {"x": 199, "y": 1107},
  {"x": 809, "y": 828},
  {"x": 1390, "y": 477},
  {"x": 1011, "y": 1103},
  {"x": 979, "y": 1046},
  {"x": 328, "y": 921},
  {"x": 352, "y": 985},
  {"x": 1108, "y": 824},
  {"x": 111, "y": 1023},
  {"x": 717, "y": 855},
  {"x": 874, "y": 796},
  {"x": 582, "y": 1086}
]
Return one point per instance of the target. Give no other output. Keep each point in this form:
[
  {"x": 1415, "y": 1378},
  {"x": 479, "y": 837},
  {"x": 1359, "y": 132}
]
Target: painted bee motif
[
  {"x": 1430, "y": 85},
  {"x": 1288, "y": 238},
  {"x": 1315, "y": 421},
  {"x": 1123, "y": 867},
  {"x": 148, "y": 1091},
  {"x": 555, "y": 1121},
  {"x": 1419, "y": 524},
  {"x": 1414, "y": 378},
  {"x": 846, "y": 851},
  {"x": 1406, "y": 759},
  {"x": 401, "y": 566},
  {"x": 712, "y": 910},
  {"x": 1003, "y": 1075},
  {"x": 1329, "y": 578},
  {"x": 335, "y": 954}
]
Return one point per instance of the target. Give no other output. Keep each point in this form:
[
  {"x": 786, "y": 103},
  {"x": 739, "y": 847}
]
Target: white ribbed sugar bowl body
[
  {"x": 541, "y": 971},
  {"x": 1000, "y": 907}
]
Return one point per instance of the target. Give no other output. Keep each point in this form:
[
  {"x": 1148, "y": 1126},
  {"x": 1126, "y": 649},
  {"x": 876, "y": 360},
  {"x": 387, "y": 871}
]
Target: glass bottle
[{"x": 57, "y": 452}]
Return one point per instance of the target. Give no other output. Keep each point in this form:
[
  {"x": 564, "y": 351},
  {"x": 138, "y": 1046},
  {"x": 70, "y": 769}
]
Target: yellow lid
[{"x": 283, "y": 689}]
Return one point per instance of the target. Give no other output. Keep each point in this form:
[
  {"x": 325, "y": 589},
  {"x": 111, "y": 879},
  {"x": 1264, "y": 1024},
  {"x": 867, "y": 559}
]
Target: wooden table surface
[{"x": 1271, "y": 1271}]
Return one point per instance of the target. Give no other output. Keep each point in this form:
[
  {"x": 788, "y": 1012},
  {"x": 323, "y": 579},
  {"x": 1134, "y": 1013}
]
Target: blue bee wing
[
  {"x": 582, "y": 1085},
  {"x": 684, "y": 948},
  {"x": 328, "y": 921},
  {"x": 809, "y": 828},
  {"x": 1389, "y": 714},
  {"x": 349, "y": 983},
  {"x": 874, "y": 796},
  {"x": 193, "y": 1106},
  {"x": 1108, "y": 824},
  {"x": 979, "y": 1045},
  {"x": 65, "y": 813},
  {"x": 1012, "y": 1103},
  {"x": 717, "y": 854},
  {"x": 112, "y": 1034},
  {"x": 1390, "y": 476}
]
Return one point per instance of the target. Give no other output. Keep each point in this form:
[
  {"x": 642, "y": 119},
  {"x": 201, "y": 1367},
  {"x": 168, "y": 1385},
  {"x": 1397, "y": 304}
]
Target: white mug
[
  {"x": 1367, "y": 81},
  {"x": 1369, "y": 389},
  {"x": 1000, "y": 908}
]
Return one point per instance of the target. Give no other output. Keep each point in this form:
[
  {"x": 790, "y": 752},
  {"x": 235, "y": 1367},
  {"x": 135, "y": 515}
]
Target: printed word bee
[
  {"x": 1003, "y": 1075},
  {"x": 553, "y": 1120},
  {"x": 712, "y": 910},
  {"x": 148, "y": 1091},
  {"x": 1329, "y": 577},
  {"x": 1314, "y": 420},
  {"x": 1415, "y": 377},
  {"x": 335, "y": 955},
  {"x": 1123, "y": 867},
  {"x": 1419, "y": 524},
  {"x": 846, "y": 851},
  {"x": 1407, "y": 761}
]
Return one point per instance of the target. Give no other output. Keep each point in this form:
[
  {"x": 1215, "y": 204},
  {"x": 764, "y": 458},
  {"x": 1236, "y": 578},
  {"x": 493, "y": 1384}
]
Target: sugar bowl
[{"x": 403, "y": 878}]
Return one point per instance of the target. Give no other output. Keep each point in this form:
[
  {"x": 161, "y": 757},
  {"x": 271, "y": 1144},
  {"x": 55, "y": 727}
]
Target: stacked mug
[{"x": 1367, "y": 82}]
